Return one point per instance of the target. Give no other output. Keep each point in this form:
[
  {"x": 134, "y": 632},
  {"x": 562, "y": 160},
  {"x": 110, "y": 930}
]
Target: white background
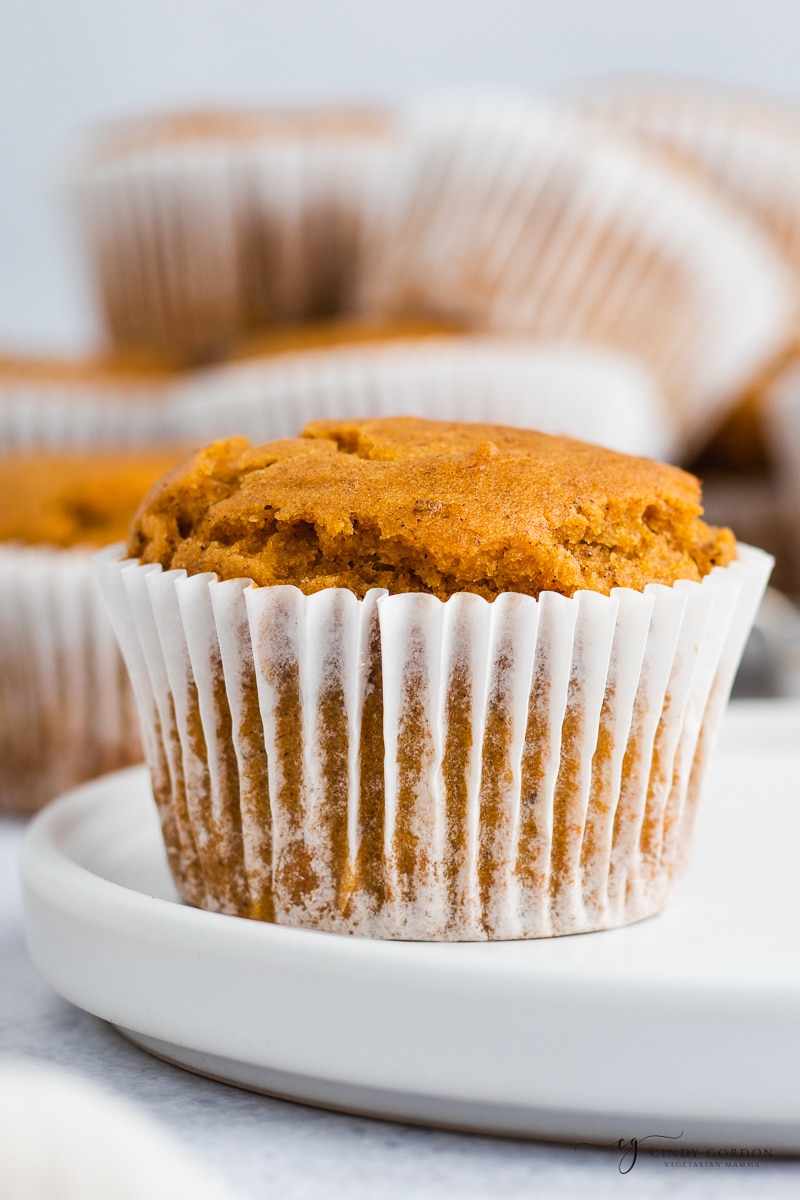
[{"x": 69, "y": 64}]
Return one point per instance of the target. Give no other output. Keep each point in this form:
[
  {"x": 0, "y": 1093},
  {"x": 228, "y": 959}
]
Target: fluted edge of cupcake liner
[
  {"x": 527, "y": 216},
  {"x": 406, "y": 768},
  {"x": 54, "y": 416},
  {"x": 195, "y": 245},
  {"x": 749, "y": 147},
  {"x": 66, "y": 709}
]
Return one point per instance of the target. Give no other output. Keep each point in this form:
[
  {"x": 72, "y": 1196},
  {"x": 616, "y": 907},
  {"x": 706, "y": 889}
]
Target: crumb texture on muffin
[{"x": 429, "y": 506}]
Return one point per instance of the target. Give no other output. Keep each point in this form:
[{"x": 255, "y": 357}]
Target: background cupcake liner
[
  {"x": 194, "y": 243},
  {"x": 527, "y": 217},
  {"x": 400, "y": 767},
  {"x": 70, "y": 416},
  {"x": 166, "y": 244},
  {"x": 588, "y": 392},
  {"x": 782, "y": 426},
  {"x": 66, "y": 709},
  {"x": 748, "y": 146},
  {"x": 759, "y": 508},
  {"x": 315, "y": 207}
]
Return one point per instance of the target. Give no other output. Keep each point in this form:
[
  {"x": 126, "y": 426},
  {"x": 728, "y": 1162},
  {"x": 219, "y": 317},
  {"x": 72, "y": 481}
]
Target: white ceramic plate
[{"x": 685, "y": 1026}]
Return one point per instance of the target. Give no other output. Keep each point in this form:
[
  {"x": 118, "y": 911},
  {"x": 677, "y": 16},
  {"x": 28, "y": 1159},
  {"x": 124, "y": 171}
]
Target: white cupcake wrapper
[
  {"x": 532, "y": 769},
  {"x": 164, "y": 240},
  {"x": 588, "y": 392},
  {"x": 196, "y": 243},
  {"x": 318, "y": 204},
  {"x": 531, "y": 219},
  {"x": 36, "y": 415},
  {"x": 67, "y": 710},
  {"x": 748, "y": 147}
]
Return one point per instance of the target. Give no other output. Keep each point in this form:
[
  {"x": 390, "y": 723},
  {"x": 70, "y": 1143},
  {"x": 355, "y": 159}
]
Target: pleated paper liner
[
  {"x": 66, "y": 708},
  {"x": 749, "y": 147},
  {"x": 782, "y": 428},
  {"x": 400, "y": 767},
  {"x": 747, "y": 144},
  {"x": 588, "y": 392},
  {"x": 81, "y": 404},
  {"x": 530, "y": 218},
  {"x": 200, "y": 232}
]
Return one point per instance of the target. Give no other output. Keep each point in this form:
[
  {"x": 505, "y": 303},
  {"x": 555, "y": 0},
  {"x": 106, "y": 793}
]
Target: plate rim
[{"x": 336, "y": 958}]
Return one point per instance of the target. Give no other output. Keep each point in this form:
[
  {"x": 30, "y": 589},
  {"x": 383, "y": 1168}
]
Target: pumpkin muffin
[
  {"x": 430, "y": 681},
  {"x": 55, "y": 403},
  {"x": 80, "y": 499},
  {"x": 66, "y": 710},
  {"x": 277, "y": 383},
  {"x": 130, "y": 370},
  {"x": 528, "y": 217},
  {"x": 428, "y": 506},
  {"x": 203, "y": 227}
]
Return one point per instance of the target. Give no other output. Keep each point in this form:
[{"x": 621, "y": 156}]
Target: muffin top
[
  {"x": 228, "y": 126},
  {"x": 341, "y": 331},
  {"x": 114, "y": 370},
  {"x": 76, "y": 499},
  {"x": 429, "y": 506}
]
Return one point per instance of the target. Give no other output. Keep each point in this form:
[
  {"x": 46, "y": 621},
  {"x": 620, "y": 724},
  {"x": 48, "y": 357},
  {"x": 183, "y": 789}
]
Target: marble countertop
[{"x": 263, "y": 1147}]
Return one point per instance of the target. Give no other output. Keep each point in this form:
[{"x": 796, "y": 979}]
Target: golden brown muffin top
[
  {"x": 76, "y": 499},
  {"x": 242, "y": 124},
  {"x": 429, "y": 506},
  {"x": 340, "y": 331},
  {"x": 112, "y": 368}
]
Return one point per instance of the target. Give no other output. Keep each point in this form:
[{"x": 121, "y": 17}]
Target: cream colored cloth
[{"x": 64, "y": 1138}]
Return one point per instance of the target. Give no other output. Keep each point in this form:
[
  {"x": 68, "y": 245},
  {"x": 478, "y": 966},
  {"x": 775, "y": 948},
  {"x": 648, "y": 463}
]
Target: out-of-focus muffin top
[
  {"x": 113, "y": 369},
  {"x": 241, "y": 124},
  {"x": 292, "y": 338},
  {"x": 429, "y": 506},
  {"x": 76, "y": 499}
]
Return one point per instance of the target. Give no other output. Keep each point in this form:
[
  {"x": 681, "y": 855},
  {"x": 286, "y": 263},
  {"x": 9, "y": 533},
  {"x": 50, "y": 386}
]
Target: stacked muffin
[
  {"x": 80, "y": 439},
  {"x": 201, "y": 227},
  {"x": 748, "y": 148},
  {"x": 66, "y": 709}
]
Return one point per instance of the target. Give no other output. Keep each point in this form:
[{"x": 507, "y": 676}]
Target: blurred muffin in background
[
  {"x": 529, "y": 217},
  {"x": 585, "y": 391},
  {"x": 746, "y": 481},
  {"x": 345, "y": 330},
  {"x": 55, "y": 402},
  {"x": 201, "y": 227},
  {"x": 748, "y": 147},
  {"x": 77, "y": 498},
  {"x": 66, "y": 710},
  {"x": 782, "y": 423}
]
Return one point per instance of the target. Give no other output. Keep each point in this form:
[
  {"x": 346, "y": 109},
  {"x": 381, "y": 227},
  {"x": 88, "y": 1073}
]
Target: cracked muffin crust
[{"x": 429, "y": 506}]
